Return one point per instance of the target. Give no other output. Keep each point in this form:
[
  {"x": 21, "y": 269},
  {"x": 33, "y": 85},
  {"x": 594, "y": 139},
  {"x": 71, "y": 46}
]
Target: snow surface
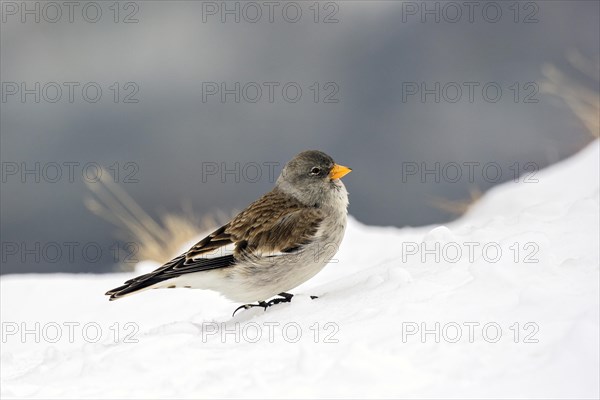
[{"x": 373, "y": 300}]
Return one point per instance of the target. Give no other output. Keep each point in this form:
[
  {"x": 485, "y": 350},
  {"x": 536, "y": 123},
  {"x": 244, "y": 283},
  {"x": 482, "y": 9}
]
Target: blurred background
[{"x": 127, "y": 128}]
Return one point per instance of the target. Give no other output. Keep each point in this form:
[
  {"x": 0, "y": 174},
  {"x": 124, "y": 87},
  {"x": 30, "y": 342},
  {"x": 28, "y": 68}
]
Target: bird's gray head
[{"x": 311, "y": 177}]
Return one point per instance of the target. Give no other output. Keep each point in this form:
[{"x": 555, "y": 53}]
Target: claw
[{"x": 249, "y": 306}]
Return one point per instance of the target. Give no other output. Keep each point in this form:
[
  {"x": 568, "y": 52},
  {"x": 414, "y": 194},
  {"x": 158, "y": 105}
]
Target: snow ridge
[{"x": 503, "y": 302}]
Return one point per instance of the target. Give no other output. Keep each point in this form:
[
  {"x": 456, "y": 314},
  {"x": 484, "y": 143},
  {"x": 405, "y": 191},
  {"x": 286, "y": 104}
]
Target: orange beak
[{"x": 338, "y": 171}]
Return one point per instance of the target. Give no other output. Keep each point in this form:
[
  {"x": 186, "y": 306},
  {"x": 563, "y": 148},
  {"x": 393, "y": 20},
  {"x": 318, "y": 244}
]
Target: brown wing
[
  {"x": 212, "y": 242},
  {"x": 273, "y": 224}
]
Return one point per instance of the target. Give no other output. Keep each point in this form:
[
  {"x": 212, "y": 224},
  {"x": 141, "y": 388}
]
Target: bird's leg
[
  {"x": 248, "y": 306},
  {"x": 289, "y": 296},
  {"x": 285, "y": 298}
]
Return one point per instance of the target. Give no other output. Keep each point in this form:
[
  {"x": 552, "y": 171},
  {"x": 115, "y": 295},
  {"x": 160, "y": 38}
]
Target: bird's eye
[{"x": 315, "y": 171}]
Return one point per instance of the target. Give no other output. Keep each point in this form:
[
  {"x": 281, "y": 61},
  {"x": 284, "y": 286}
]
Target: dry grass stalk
[
  {"x": 156, "y": 241},
  {"x": 583, "y": 101}
]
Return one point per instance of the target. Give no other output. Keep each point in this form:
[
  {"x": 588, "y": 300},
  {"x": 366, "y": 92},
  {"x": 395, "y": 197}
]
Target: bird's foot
[
  {"x": 285, "y": 298},
  {"x": 263, "y": 304}
]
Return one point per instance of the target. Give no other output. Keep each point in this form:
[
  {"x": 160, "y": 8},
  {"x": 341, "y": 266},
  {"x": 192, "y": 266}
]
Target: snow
[{"x": 363, "y": 336}]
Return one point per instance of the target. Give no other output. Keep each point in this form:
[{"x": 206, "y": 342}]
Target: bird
[{"x": 277, "y": 243}]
